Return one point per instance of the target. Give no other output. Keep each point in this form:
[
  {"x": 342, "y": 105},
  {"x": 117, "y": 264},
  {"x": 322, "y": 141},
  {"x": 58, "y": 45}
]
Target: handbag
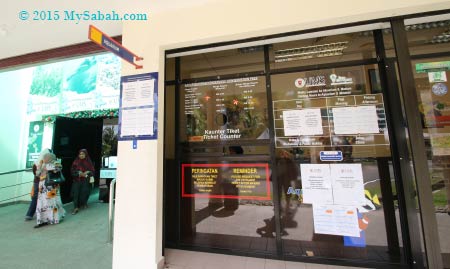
[
  {"x": 91, "y": 179},
  {"x": 54, "y": 178}
]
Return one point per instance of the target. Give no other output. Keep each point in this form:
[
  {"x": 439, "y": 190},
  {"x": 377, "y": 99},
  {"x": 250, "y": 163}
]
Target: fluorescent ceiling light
[
  {"x": 332, "y": 32},
  {"x": 441, "y": 38},
  {"x": 308, "y": 52}
]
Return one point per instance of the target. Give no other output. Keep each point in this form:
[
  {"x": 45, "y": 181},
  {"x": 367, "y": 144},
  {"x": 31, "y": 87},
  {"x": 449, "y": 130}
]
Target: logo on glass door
[
  {"x": 439, "y": 89},
  {"x": 340, "y": 80},
  {"x": 300, "y": 83},
  {"x": 310, "y": 82}
]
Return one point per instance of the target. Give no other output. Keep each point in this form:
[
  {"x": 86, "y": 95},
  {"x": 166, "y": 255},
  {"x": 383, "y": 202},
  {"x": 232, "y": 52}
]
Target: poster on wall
[
  {"x": 227, "y": 181},
  {"x": 89, "y": 83},
  {"x": 138, "y": 115},
  {"x": 35, "y": 135},
  {"x": 224, "y": 110}
]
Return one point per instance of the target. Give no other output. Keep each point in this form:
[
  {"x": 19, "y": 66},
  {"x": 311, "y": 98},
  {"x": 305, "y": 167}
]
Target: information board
[
  {"x": 228, "y": 181},
  {"x": 138, "y": 116},
  {"x": 35, "y": 135},
  {"x": 349, "y": 120},
  {"x": 224, "y": 110}
]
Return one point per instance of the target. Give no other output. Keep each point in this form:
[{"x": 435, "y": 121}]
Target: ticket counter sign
[{"x": 227, "y": 181}]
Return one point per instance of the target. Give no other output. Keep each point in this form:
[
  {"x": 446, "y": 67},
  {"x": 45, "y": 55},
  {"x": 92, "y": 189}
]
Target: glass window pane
[
  {"x": 333, "y": 165},
  {"x": 322, "y": 50},
  {"x": 219, "y": 63},
  {"x": 224, "y": 110}
]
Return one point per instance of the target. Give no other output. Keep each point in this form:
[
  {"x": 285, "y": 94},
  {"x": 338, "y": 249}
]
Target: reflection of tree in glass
[
  {"x": 248, "y": 121},
  {"x": 109, "y": 142},
  {"x": 196, "y": 123},
  {"x": 83, "y": 80},
  {"x": 46, "y": 81}
]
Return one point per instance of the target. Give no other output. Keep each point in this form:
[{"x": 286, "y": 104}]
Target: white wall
[
  {"x": 14, "y": 87},
  {"x": 14, "y": 92},
  {"x": 138, "y": 219}
]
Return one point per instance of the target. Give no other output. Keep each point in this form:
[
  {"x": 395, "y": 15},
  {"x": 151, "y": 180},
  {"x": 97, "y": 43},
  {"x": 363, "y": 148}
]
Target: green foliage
[
  {"x": 196, "y": 123},
  {"x": 440, "y": 106},
  {"x": 109, "y": 141},
  {"x": 440, "y": 198},
  {"x": 46, "y": 82}
]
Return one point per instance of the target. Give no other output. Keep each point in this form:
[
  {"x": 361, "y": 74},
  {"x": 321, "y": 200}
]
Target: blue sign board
[
  {"x": 120, "y": 51},
  {"x": 331, "y": 156}
]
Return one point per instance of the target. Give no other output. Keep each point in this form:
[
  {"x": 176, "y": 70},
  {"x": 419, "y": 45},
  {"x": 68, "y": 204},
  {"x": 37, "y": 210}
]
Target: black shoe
[{"x": 40, "y": 225}]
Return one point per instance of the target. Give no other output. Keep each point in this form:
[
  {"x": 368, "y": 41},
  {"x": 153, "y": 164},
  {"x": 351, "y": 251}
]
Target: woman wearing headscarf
[
  {"x": 34, "y": 192},
  {"x": 49, "y": 209},
  {"x": 82, "y": 169}
]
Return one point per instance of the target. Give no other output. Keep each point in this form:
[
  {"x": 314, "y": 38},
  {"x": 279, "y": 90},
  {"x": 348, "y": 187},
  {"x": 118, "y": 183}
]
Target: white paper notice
[
  {"x": 145, "y": 121},
  {"x": 336, "y": 220},
  {"x": 355, "y": 120},
  {"x": 348, "y": 184},
  {"x": 316, "y": 184},
  {"x": 138, "y": 93},
  {"x": 302, "y": 122},
  {"x": 137, "y": 122},
  {"x": 439, "y": 76}
]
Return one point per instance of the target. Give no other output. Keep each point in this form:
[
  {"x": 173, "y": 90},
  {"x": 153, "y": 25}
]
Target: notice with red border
[{"x": 249, "y": 181}]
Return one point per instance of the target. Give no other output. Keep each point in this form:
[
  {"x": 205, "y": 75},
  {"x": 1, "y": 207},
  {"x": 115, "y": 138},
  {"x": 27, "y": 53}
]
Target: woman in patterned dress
[{"x": 49, "y": 208}]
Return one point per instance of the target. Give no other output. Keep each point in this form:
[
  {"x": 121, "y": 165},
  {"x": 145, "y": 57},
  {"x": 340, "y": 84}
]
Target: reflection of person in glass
[
  {"x": 287, "y": 174},
  {"x": 229, "y": 189},
  {"x": 224, "y": 186},
  {"x": 345, "y": 145}
]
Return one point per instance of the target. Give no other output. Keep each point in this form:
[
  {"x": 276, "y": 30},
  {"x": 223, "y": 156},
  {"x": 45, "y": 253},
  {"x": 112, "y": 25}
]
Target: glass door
[
  {"x": 333, "y": 165},
  {"x": 285, "y": 150}
]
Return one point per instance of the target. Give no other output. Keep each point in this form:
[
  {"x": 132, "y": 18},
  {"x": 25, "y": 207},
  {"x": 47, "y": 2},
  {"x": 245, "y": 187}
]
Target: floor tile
[
  {"x": 275, "y": 264},
  {"x": 295, "y": 265}
]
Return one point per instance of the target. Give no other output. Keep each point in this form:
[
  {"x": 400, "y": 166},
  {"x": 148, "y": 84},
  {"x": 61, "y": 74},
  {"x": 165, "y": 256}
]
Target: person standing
[
  {"x": 82, "y": 169},
  {"x": 34, "y": 192},
  {"x": 49, "y": 209}
]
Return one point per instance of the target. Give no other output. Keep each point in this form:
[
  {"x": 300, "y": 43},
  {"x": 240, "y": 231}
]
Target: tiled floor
[
  {"x": 181, "y": 259},
  {"x": 23, "y": 247}
]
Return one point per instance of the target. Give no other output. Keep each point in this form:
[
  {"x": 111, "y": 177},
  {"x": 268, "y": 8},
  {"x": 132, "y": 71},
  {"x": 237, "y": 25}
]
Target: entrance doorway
[
  {"x": 71, "y": 135},
  {"x": 291, "y": 151}
]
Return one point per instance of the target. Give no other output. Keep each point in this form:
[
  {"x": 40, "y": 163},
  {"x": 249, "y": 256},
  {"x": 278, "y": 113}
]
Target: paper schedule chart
[
  {"x": 352, "y": 120},
  {"x": 138, "y": 107},
  {"x": 137, "y": 93}
]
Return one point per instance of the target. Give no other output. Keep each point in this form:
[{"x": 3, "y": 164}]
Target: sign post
[{"x": 108, "y": 43}]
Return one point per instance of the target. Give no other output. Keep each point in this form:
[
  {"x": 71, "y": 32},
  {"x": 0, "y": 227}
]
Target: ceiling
[{"x": 18, "y": 37}]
